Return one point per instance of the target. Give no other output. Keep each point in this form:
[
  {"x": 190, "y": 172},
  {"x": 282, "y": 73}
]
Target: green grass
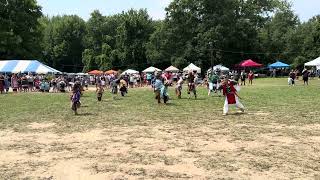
[
  {"x": 288, "y": 105},
  {"x": 272, "y": 139}
]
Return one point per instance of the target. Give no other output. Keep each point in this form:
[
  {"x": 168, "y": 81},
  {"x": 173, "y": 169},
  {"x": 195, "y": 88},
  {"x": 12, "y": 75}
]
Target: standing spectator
[
  {"x": 243, "y": 77},
  {"x": 2, "y": 84},
  {"x": 6, "y": 83},
  {"x": 25, "y": 84},
  {"x": 305, "y": 76},
  {"x": 131, "y": 81},
  {"x": 30, "y": 81},
  {"x": 149, "y": 78},
  {"x": 292, "y": 78},
  {"x": 251, "y": 77},
  {"x": 14, "y": 83}
]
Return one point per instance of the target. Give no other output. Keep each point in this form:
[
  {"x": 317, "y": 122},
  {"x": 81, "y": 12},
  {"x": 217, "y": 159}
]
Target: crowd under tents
[
  {"x": 313, "y": 63},
  {"x": 278, "y": 65},
  {"x": 130, "y": 71},
  {"x": 172, "y": 69},
  {"x": 249, "y": 63},
  {"x": 219, "y": 68},
  {"x": 26, "y": 66},
  {"x": 192, "y": 67},
  {"x": 111, "y": 72},
  {"x": 151, "y": 70},
  {"x": 95, "y": 72}
]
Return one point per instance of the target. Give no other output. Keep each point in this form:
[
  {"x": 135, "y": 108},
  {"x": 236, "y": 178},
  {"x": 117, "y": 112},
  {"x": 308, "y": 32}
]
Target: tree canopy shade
[
  {"x": 278, "y": 65},
  {"x": 20, "y": 30}
]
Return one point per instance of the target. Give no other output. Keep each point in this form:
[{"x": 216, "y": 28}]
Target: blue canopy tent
[
  {"x": 278, "y": 65},
  {"x": 26, "y": 66}
]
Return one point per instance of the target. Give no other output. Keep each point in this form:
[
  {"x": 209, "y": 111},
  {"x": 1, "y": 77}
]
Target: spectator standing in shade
[{"x": 305, "y": 76}]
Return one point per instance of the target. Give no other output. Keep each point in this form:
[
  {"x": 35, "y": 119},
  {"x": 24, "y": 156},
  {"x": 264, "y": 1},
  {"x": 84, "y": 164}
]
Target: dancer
[
  {"x": 164, "y": 92},
  {"x": 191, "y": 85},
  {"x": 213, "y": 83},
  {"x": 99, "y": 92},
  {"x": 179, "y": 87},
  {"x": 114, "y": 85},
  {"x": 231, "y": 96},
  {"x": 75, "y": 98},
  {"x": 123, "y": 87},
  {"x": 157, "y": 88}
]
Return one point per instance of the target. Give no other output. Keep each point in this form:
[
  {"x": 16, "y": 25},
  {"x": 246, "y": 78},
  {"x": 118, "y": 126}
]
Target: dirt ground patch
[{"x": 160, "y": 152}]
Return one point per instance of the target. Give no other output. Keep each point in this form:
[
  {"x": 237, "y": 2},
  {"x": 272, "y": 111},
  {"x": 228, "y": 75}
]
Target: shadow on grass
[{"x": 86, "y": 114}]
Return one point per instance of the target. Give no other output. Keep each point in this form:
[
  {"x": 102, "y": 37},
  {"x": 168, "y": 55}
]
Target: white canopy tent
[
  {"x": 315, "y": 63},
  {"x": 130, "y": 71},
  {"x": 219, "y": 67},
  {"x": 172, "y": 69},
  {"x": 151, "y": 70},
  {"x": 192, "y": 67}
]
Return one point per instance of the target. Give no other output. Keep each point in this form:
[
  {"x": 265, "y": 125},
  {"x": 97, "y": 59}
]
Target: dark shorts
[
  {"x": 305, "y": 79},
  {"x": 114, "y": 90}
]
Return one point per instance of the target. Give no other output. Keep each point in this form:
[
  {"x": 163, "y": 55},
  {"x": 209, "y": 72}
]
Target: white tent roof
[
  {"x": 315, "y": 62},
  {"x": 172, "y": 69},
  {"x": 130, "y": 71},
  {"x": 25, "y": 66},
  {"x": 151, "y": 70},
  {"x": 220, "y": 67},
  {"x": 192, "y": 67}
]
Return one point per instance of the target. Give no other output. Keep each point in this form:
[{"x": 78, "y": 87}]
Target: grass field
[{"x": 134, "y": 138}]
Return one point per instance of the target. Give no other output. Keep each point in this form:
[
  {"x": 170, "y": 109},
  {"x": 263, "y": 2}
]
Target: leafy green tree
[
  {"x": 20, "y": 31},
  {"x": 63, "y": 43}
]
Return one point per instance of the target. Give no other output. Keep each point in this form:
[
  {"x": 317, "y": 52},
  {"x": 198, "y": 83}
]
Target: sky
[{"x": 305, "y": 9}]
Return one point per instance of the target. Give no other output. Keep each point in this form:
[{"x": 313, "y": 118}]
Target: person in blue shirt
[
  {"x": 164, "y": 92},
  {"x": 157, "y": 88}
]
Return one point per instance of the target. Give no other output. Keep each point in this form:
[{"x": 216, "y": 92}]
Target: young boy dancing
[
  {"x": 179, "y": 87},
  {"x": 192, "y": 85},
  {"x": 99, "y": 91},
  {"x": 157, "y": 88},
  {"x": 164, "y": 92},
  {"x": 75, "y": 99},
  {"x": 231, "y": 96}
]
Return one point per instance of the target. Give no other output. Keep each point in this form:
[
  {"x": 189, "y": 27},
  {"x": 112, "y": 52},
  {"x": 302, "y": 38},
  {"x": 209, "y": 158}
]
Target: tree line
[{"x": 203, "y": 32}]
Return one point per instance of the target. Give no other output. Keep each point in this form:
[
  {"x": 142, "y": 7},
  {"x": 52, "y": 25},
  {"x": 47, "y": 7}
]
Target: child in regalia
[
  {"x": 75, "y": 98},
  {"x": 157, "y": 88},
  {"x": 123, "y": 87},
  {"x": 164, "y": 92},
  {"x": 230, "y": 92},
  {"x": 192, "y": 85},
  {"x": 179, "y": 87},
  {"x": 99, "y": 91}
]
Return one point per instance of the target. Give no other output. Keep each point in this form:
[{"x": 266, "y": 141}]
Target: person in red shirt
[
  {"x": 250, "y": 76},
  {"x": 231, "y": 96}
]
